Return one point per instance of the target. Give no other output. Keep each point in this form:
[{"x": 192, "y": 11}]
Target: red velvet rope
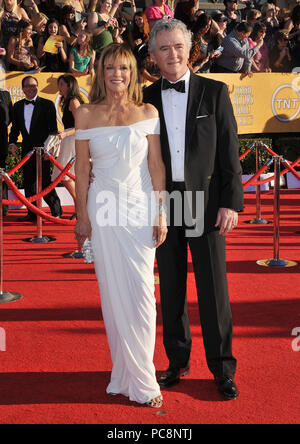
[
  {"x": 33, "y": 208},
  {"x": 20, "y": 164},
  {"x": 58, "y": 165},
  {"x": 246, "y": 152},
  {"x": 255, "y": 176},
  {"x": 291, "y": 169},
  {"x": 270, "y": 179},
  {"x": 45, "y": 191}
]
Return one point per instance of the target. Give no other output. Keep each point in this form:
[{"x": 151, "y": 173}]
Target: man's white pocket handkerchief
[{"x": 202, "y": 117}]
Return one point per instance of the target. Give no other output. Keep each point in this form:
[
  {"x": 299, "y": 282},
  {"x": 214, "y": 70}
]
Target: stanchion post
[
  {"x": 258, "y": 220},
  {"x": 276, "y": 261},
  {"x": 258, "y": 188},
  {"x": 39, "y": 189},
  {"x": 277, "y": 162},
  {"x": 5, "y": 296},
  {"x": 39, "y": 238}
]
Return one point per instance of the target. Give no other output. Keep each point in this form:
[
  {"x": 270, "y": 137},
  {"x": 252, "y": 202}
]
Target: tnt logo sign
[
  {"x": 2, "y": 340},
  {"x": 296, "y": 341},
  {"x": 286, "y": 103}
]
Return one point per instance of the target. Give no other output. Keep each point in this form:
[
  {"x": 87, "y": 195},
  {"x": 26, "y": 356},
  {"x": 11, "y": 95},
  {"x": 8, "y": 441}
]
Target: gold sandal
[{"x": 156, "y": 403}]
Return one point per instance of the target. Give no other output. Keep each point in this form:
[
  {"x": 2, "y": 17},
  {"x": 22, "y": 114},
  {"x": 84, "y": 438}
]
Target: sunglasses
[{"x": 224, "y": 20}]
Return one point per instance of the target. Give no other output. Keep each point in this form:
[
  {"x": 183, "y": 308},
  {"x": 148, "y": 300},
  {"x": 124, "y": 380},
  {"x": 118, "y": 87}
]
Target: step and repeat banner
[{"x": 265, "y": 103}]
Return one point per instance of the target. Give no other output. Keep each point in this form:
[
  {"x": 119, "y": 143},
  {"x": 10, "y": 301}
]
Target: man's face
[
  {"x": 232, "y": 5},
  {"x": 244, "y": 35},
  {"x": 30, "y": 88},
  {"x": 171, "y": 54}
]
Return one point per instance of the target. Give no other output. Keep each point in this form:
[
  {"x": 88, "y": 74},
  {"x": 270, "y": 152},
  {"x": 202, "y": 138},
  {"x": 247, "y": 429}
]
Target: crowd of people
[{"x": 70, "y": 37}]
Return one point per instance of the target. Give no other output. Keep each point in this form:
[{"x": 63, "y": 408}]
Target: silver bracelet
[{"x": 161, "y": 209}]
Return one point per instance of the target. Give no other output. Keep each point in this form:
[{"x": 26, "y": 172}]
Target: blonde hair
[
  {"x": 16, "y": 8},
  {"x": 117, "y": 51},
  {"x": 69, "y": 2},
  {"x": 37, "y": 19},
  {"x": 267, "y": 7}
]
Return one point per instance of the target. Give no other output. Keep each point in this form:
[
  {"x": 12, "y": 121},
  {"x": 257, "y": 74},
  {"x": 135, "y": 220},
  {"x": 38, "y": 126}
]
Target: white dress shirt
[
  {"x": 175, "y": 109},
  {"x": 28, "y": 111}
]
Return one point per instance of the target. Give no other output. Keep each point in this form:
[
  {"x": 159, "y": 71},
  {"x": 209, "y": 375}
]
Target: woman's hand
[
  {"x": 83, "y": 230},
  {"x": 160, "y": 230},
  {"x": 113, "y": 22},
  {"x": 61, "y": 135},
  {"x": 28, "y": 65}
]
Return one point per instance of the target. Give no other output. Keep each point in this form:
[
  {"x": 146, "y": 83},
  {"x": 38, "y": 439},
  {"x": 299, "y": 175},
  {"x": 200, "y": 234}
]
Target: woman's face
[
  {"x": 42, "y": 26},
  {"x": 106, "y": 6},
  {"x": 9, "y": 4},
  {"x": 159, "y": 2},
  {"x": 82, "y": 38},
  {"x": 222, "y": 23},
  {"x": 27, "y": 32},
  {"x": 62, "y": 88},
  {"x": 117, "y": 75},
  {"x": 53, "y": 29},
  {"x": 261, "y": 34},
  {"x": 71, "y": 17},
  {"x": 139, "y": 21}
]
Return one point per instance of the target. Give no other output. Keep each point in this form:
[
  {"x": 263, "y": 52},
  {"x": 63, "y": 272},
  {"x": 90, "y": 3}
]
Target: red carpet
[{"x": 56, "y": 365}]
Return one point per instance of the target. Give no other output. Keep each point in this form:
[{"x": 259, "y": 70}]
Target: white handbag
[{"x": 52, "y": 145}]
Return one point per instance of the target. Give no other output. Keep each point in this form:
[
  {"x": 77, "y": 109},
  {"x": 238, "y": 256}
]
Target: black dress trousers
[{"x": 208, "y": 257}]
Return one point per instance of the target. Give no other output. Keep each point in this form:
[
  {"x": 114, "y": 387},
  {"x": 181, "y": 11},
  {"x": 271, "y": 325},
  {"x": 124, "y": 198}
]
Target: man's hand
[
  {"x": 227, "y": 220},
  {"x": 13, "y": 148},
  {"x": 246, "y": 73}
]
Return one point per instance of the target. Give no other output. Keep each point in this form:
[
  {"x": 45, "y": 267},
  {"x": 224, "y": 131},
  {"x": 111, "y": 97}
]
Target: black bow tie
[
  {"x": 29, "y": 102},
  {"x": 179, "y": 86}
]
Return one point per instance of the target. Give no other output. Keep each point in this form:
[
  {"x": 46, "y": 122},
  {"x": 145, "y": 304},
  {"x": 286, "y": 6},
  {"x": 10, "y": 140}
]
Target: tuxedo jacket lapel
[
  {"x": 22, "y": 118},
  {"x": 196, "y": 93},
  {"x": 156, "y": 100}
]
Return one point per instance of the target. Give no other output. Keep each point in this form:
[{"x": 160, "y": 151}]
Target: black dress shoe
[
  {"x": 28, "y": 218},
  {"x": 172, "y": 376},
  {"x": 58, "y": 215},
  {"x": 227, "y": 387}
]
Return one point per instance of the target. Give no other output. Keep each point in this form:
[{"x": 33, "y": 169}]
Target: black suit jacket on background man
[
  {"x": 6, "y": 110},
  {"x": 211, "y": 161},
  {"x": 43, "y": 123}
]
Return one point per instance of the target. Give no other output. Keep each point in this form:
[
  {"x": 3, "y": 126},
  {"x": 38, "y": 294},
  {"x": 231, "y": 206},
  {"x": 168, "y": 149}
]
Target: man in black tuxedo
[
  {"x": 5, "y": 120},
  {"x": 201, "y": 153},
  {"x": 35, "y": 118}
]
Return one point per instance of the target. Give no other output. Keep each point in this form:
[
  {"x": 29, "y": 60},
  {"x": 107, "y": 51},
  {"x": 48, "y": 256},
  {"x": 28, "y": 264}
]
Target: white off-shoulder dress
[{"x": 122, "y": 240}]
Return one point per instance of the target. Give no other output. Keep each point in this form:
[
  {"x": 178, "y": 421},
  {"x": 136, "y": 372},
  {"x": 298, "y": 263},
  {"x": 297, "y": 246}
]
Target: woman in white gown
[{"x": 121, "y": 136}]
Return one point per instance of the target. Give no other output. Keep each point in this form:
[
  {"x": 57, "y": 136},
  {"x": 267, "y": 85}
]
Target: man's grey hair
[{"x": 167, "y": 24}]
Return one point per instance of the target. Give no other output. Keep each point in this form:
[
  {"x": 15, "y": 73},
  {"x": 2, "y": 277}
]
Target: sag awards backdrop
[{"x": 266, "y": 103}]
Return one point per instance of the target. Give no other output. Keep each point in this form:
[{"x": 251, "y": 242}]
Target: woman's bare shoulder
[
  {"x": 150, "y": 111},
  {"x": 83, "y": 116}
]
